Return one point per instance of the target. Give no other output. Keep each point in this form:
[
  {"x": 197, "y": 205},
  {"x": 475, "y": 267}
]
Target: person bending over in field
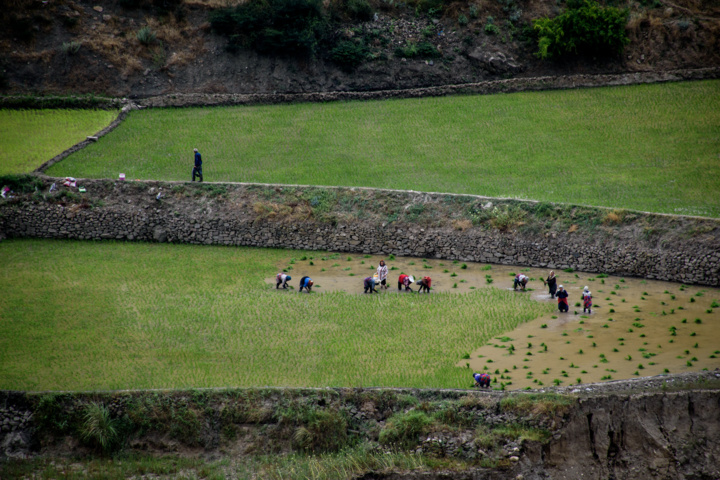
[
  {"x": 520, "y": 281},
  {"x": 404, "y": 281},
  {"x": 587, "y": 300},
  {"x": 197, "y": 169},
  {"x": 562, "y": 298},
  {"x": 369, "y": 284},
  {"x": 307, "y": 283},
  {"x": 382, "y": 272},
  {"x": 424, "y": 284},
  {"x": 551, "y": 283},
  {"x": 482, "y": 380},
  {"x": 282, "y": 278}
]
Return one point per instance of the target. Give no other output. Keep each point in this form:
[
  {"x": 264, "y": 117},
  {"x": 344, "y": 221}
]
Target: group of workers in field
[
  {"x": 370, "y": 284},
  {"x": 379, "y": 280},
  {"x": 556, "y": 291}
]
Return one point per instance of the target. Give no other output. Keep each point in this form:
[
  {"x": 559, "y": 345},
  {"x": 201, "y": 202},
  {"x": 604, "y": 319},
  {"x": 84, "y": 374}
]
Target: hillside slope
[{"x": 77, "y": 46}]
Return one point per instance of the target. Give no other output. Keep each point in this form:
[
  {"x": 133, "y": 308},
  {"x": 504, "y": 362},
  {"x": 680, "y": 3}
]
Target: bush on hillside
[
  {"x": 349, "y": 55},
  {"x": 293, "y": 27},
  {"x": 584, "y": 28}
]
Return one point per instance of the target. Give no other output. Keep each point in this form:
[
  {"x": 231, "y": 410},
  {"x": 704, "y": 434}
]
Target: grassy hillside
[
  {"x": 119, "y": 315},
  {"x": 28, "y": 138},
  {"x": 647, "y": 147}
]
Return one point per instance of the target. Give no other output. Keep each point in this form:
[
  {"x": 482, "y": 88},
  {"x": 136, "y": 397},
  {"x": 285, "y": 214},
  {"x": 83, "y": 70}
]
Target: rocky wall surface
[{"x": 689, "y": 261}]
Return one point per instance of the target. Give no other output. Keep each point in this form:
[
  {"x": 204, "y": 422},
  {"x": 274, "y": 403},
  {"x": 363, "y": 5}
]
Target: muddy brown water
[{"x": 628, "y": 334}]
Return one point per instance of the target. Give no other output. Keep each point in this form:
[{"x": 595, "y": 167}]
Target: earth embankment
[{"x": 660, "y": 427}]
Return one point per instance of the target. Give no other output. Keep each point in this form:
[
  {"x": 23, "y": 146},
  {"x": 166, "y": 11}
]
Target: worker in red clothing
[
  {"x": 425, "y": 284},
  {"x": 406, "y": 281}
]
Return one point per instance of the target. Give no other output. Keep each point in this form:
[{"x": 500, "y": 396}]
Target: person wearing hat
[
  {"x": 406, "y": 281},
  {"x": 482, "y": 380},
  {"x": 587, "y": 300},
  {"x": 305, "y": 282},
  {"x": 282, "y": 278},
  {"x": 551, "y": 283},
  {"x": 197, "y": 169},
  {"x": 520, "y": 281},
  {"x": 425, "y": 284},
  {"x": 369, "y": 284},
  {"x": 382, "y": 272},
  {"x": 562, "y": 298}
]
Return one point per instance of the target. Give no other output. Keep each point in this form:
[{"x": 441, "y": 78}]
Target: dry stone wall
[{"x": 690, "y": 261}]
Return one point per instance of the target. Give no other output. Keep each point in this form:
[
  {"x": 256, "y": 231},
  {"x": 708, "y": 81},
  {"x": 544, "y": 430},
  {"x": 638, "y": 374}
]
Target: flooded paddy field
[{"x": 636, "y": 328}]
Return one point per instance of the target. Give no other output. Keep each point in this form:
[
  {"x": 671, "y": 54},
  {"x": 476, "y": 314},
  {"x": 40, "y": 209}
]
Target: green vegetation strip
[
  {"x": 117, "y": 316},
  {"x": 647, "y": 147},
  {"x": 29, "y": 138}
]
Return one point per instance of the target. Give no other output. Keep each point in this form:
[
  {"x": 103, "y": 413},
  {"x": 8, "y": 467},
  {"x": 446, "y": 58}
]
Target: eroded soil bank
[
  {"x": 662, "y": 427},
  {"x": 636, "y": 327}
]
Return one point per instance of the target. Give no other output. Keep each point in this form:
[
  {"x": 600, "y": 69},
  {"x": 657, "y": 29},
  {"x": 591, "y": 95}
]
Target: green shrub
[
  {"x": 21, "y": 183},
  {"x": 349, "y": 54},
  {"x": 98, "y": 429},
  {"x": 71, "y": 48},
  {"x": 325, "y": 431},
  {"x": 462, "y": 20},
  {"x": 490, "y": 27},
  {"x": 584, "y": 28},
  {"x": 404, "y": 429},
  {"x": 146, "y": 36},
  {"x": 294, "y": 27}
]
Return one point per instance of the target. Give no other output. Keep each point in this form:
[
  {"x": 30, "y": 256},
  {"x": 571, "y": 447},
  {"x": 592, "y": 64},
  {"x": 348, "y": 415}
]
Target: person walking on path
[
  {"x": 369, "y": 284},
  {"x": 587, "y": 300},
  {"x": 551, "y": 283},
  {"x": 197, "y": 169},
  {"x": 382, "y": 272},
  {"x": 562, "y": 298}
]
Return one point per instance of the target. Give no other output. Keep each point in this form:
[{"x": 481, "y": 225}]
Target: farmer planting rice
[
  {"x": 305, "y": 282},
  {"x": 282, "y": 278},
  {"x": 551, "y": 283},
  {"x": 562, "y": 298},
  {"x": 424, "y": 284},
  {"x": 520, "y": 281},
  {"x": 406, "y": 281},
  {"x": 482, "y": 380},
  {"x": 587, "y": 300},
  {"x": 382, "y": 272},
  {"x": 369, "y": 284}
]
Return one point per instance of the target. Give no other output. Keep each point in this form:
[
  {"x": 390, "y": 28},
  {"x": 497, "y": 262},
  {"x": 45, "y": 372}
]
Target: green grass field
[
  {"x": 106, "y": 315},
  {"x": 28, "y": 138},
  {"x": 647, "y": 147}
]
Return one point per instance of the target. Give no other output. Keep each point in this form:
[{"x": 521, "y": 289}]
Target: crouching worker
[
  {"x": 425, "y": 284},
  {"x": 562, "y": 298},
  {"x": 520, "y": 281},
  {"x": 405, "y": 281},
  {"x": 369, "y": 284},
  {"x": 282, "y": 278},
  {"x": 305, "y": 282},
  {"x": 482, "y": 380}
]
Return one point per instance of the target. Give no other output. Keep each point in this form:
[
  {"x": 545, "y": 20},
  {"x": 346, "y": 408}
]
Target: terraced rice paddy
[
  {"x": 644, "y": 147},
  {"x": 119, "y": 315},
  {"x": 28, "y": 138}
]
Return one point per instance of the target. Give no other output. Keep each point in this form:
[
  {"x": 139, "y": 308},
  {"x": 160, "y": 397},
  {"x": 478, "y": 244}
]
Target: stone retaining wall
[{"x": 221, "y": 222}]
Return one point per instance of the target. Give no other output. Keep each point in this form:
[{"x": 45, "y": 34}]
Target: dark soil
[{"x": 189, "y": 58}]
